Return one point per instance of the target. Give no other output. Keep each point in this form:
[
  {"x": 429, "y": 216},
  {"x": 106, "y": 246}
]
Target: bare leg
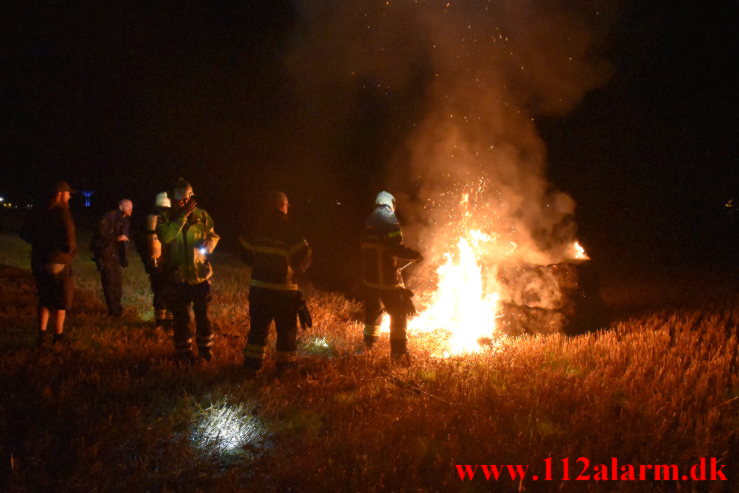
[
  {"x": 43, "y": 318},
  {"x": 60, "y": 316}
]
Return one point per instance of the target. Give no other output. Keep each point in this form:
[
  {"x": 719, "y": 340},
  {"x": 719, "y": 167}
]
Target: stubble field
[{"x": 112, "y": 412}]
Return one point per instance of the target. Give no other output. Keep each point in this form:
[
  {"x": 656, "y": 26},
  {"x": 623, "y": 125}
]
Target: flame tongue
[
  {"x": 460, "y": 307},
  {"x": 460, "y": 311}
]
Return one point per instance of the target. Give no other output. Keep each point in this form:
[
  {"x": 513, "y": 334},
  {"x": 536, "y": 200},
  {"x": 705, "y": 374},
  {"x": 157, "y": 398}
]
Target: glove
[
  {"x": 406, "y": 296},
  {"x": 306, "y": 321}
]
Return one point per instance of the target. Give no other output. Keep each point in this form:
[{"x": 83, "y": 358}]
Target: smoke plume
[{"x": 469, "y": 78}]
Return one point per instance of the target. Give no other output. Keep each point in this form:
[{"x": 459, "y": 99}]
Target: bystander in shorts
[{"x": 55, "y": 286}]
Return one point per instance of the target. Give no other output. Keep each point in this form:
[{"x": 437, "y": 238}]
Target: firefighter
[
  {"x": 383, "y": 258},
  {"x": 277, "y": 253},
  {"x": 188, "y": 237},
  {"x": 152, "y": 264},
  {"x": 110, "y": 247}
]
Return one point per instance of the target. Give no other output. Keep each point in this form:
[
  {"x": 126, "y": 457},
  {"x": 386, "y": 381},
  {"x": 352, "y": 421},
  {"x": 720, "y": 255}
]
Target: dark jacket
[
  {"x": 51, "y": 234},
  {"x": 383, "y": 250},
  {"x": 105, "y": 244},
  {"x": 276, "y": 251}
]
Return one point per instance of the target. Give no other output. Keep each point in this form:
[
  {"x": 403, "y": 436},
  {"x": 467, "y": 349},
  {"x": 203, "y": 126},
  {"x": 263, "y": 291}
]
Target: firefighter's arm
[
  {"x": 168, "y": 228},
  {"x": 301, "y": 255},
  {"x": 211, "y": 238},
  {"x": 246, "y": 250},
  {"x": 394, "y": 239}
]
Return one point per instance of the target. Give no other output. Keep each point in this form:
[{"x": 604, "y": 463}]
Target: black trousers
[
  {"x": 179, "y": 297},
  {"x": 376, "y": 301},
  {"x": 111, "y": 277},
  {"x": 266, "y": 305},
  {"x": 158, "y": 284}
]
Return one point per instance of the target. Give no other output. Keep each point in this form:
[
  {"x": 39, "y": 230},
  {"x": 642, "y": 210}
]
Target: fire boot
[
  {"x": 285, "y": 360},
  {"x": 205, "y": 347},
  {"x": 371, "y": 335},
  {"x": 399, "y": 351},
  {"x": 206, "y": 354},
  {"x": 183, "y": 351},
  {"x": 253, "y": 357},
  {"x": 161, "y": 319}
]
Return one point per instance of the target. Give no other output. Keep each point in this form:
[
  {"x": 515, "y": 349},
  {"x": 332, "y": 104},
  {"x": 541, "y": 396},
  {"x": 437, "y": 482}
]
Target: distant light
[
  {"x": 203, "y": 250},
  {"x": 226, "y": 428},
  {"x": 87, "y": 194},
  {"x": 2, "y": 199}
]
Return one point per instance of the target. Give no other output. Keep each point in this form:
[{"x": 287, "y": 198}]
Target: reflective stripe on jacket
[
  {"x": 277, "y": 251},
  {"x": 382, "y": 248}
]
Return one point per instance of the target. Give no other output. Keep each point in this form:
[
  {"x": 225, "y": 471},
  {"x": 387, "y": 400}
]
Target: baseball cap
[{"x": 63, "y": 186}]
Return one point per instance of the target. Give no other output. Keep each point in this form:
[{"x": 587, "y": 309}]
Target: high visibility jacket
[
  {"x": 276, "y": 251},
  {"x": 383, "y": 251},
  {"x": 182, "y": 240}
]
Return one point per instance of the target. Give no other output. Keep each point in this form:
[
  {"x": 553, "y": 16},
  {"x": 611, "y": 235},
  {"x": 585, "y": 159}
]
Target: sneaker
[
  {"x": 41, "y": 339},
  {"x": 206, "y": 354},
  {"x": 58, "y": 339}
]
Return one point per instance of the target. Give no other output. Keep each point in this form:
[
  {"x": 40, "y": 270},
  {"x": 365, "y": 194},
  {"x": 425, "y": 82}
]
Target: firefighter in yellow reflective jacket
[
  {"x": 277, "y": 253},
  {"x": 383, "y": 258},
  {"x": 188, "y": 238}
]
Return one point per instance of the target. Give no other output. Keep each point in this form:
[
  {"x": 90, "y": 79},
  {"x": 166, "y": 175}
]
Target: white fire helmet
[
  {"x": 162, "y": 200},
  {"x": 384, "y": 198}
]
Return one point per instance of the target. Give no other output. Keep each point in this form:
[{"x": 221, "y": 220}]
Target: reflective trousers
[
  {"x": 179, "y": 297},
  {"x": 266, "y": 305},
  {"x": 375, "y": 302}
]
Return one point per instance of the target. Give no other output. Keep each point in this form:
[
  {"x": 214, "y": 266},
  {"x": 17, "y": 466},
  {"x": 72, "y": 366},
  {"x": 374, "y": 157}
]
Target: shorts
[{"x": 54, "y": 285}]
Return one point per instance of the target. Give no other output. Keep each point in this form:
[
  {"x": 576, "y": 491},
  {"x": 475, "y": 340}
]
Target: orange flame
[{"x": 461, "y": 311}]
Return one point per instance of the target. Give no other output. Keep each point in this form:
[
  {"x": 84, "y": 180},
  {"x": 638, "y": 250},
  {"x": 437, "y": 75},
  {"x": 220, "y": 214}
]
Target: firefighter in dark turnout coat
[
  {"x": 383, "y": 257},
  {"x": 277, "y": 253}
]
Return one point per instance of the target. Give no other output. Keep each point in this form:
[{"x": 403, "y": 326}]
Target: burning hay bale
[{"x": 562, "y": 297}]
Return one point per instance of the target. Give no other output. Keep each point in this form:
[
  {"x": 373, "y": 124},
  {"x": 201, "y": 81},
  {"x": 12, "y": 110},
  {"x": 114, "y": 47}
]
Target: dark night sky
[{"x": 123, "y": 100}]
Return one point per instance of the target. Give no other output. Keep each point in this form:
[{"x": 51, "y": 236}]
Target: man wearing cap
[
  {"x": 383, "y": 257},
  {"x": 51, "y": 233},
  {"x": 277, "y": 253},
  {"x": 188, "y": 238},
  {"x": 110, "y": 246}
]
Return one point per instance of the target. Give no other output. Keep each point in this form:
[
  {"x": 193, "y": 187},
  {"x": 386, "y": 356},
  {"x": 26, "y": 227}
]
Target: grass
[{"x": 112, "y": 412}]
